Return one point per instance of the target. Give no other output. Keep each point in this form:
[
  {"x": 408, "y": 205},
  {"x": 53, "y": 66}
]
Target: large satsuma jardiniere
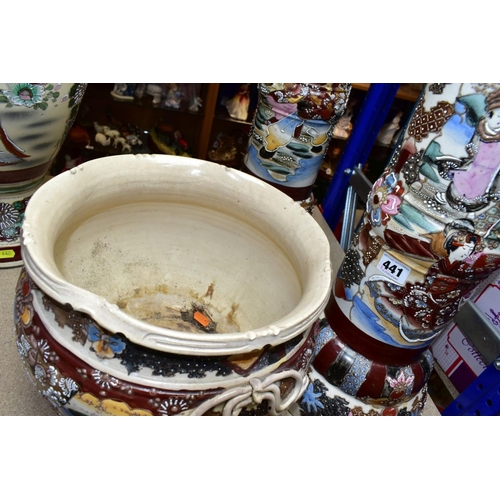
[
  {"x": 34, "y": 121},
  {"x": 159, "y": 285}
]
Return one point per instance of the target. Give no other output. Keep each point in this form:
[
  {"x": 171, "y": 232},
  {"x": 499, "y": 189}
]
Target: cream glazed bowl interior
[{"x": 144, "y": 243}]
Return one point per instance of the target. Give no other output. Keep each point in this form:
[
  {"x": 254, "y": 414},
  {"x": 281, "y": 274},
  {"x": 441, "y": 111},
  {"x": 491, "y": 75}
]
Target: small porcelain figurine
[
  {"x": 223, "y": 150},
  {"x": 344, "y": 126},
  {"x": 396, "y": 137},
  {"x": 123, "y": 91},
  {"x": 237, "y": 106},
  {"x": 156, "y": 92},
  {"x": 168, "y": 140},
  {"x": 126, "y": 147},
  {"x": 195, "y": 104},
  {"x": 133, "y": 140},
  {"x": 174, "y": 96},
  {"x": 191, "y": 93},
  {"x": 102, "y": 139},
  {"x": 110, "y": 132},
  {"x": 98, "y": 127},
  {"x": 71, "y": 162},
  {"x": 388, "y": 131},
  {"x": 140, "y": 90}
]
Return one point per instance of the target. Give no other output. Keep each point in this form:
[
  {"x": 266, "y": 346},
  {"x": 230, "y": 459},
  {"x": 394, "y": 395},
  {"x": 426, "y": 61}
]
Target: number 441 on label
[{"x": 393, "y": 268}]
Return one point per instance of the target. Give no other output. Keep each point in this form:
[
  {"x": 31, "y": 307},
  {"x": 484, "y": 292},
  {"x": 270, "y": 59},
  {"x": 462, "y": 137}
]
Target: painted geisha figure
[
  {"x": 474, "y": 184},
  {"x": 421, "y": 308},
  {"x": 461, "y": 164},
  {"x": 430, "y": 232}
]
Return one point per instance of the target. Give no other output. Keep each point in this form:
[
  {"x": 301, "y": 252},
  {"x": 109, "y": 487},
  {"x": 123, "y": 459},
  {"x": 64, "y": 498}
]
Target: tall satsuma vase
[
  {"x": 429, "y": 237},
  {"x": 291, "y": 131},
  {"x": 34, "y": 121}
]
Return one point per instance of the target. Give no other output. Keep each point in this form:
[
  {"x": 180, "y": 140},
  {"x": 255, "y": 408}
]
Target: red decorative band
[
  {"x": 23, "y": 174},
  {"x": 363, "y": 378}
]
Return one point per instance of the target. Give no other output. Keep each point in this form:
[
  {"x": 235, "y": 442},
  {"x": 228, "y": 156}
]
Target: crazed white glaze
[{"x": 116, "y": 231}]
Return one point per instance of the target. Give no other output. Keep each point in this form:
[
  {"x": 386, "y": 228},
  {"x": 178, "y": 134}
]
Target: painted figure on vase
[
  {"x": 461, "y": 164},
  {"x": 420, "y": 309},
  {"x": 473, "y": 184}
]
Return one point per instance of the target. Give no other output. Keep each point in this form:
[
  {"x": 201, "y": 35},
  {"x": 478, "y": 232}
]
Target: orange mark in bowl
[{"x": 201, "y": 318}]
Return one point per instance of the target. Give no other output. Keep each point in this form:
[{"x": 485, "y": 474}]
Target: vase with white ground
[{"x": 34, "y": 121}]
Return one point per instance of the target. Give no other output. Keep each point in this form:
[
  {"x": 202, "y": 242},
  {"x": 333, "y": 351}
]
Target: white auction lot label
[{"x": 393, "y": 268}]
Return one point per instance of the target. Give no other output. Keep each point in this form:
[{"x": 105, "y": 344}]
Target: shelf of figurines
[
  {"x": 188, "y": 98},
  {"x": 139, "y": 108},
  {"x": 175, "y": 97},
  {"x": 235, "y": 102},
  {"x": 240, "y": 102},
  {"x": 88, "y": 143},
  {"x": 117, "y": 119},
  {"x": 104, "y": 127}
]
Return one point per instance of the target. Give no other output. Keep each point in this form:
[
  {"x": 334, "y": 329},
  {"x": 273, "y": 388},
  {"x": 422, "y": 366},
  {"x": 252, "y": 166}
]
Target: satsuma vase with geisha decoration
[
  {"x": 161, "y": 285},
  {"x": 291, "y": 131},
  {"x": 34, "y": 121},
  {"x": 430, "y": 235}
]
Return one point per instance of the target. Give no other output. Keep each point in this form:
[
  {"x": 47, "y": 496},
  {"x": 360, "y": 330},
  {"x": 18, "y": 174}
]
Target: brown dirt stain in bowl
[
  {"x": 155, "y": 305},
  {"x": 210, "y": 290},
  {"x": 231, "y": 313}
]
